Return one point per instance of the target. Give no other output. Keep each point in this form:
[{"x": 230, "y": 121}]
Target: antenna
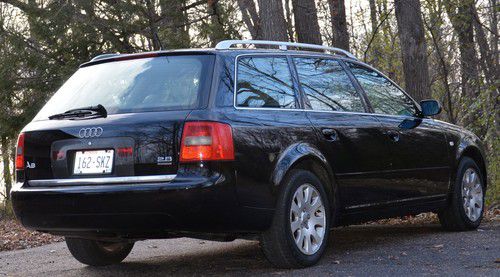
[{"x": 158, "y": 40}]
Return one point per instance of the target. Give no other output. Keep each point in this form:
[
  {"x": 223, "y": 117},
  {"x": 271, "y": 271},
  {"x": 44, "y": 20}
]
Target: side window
[
  {"x": 265, "y": 82},
  {"x": 385, "y": 97},
  {"x": 327, "y": 85}
]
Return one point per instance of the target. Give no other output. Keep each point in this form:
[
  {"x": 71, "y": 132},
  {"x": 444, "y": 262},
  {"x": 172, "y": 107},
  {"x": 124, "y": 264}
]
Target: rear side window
[
  {"x": 138, "y": 85},
  {"x": 384, "y": 96},
  {"x": 327, "y": 85},
  {"x": 265, "y": 82}
]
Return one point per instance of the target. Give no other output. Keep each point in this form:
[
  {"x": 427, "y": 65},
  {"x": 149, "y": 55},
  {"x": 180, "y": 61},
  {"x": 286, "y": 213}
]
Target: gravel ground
[{"x": 354, "y": 251}]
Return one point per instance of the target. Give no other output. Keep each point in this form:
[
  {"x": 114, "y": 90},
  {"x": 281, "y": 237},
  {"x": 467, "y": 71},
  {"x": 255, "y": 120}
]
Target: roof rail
[
  {"x": 103, "y": 56},
  {"x": 226, "y": 44}
]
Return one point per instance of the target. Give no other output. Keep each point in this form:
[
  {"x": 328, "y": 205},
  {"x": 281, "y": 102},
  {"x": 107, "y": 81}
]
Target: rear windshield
[{"x": 139, "y": 85}]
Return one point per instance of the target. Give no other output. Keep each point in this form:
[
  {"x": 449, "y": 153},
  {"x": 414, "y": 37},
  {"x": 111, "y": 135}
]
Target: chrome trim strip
[
  {"x": 393, "y": 171},
  {"x": 102, "y": 181},
  {"x": 396, "y": 201},
  {"x": 226, "y": 45}
]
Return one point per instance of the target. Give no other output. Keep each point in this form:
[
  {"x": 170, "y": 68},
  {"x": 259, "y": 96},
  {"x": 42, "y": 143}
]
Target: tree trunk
[
  {"x": 7, "y": 176},
  {"x": 339, "y": 24},
  {"x": 153, "y": 29},
  {"x": 413, "y": 48},
  {"x": 373, "y": 15},
  {"x": 272, "y": 20},
  {"x": 436, "y": 22},
  {"x": 217, "y": 32},
  {"x": 373, "y": 45},
  {"x": 289, "y": 23},
  {"x": 494, "y": 34},
  {"x": 175, "y": 30},
  {"x": 461, "y": 17},
  {"x": 306, "y": 21},
  {"x": 250, "y": 17},
  {"x": 486, "y": 62}
]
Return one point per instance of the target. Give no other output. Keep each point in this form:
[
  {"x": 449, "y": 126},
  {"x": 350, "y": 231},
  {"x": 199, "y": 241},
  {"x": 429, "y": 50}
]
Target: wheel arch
[
  {"x": 306, "y": 156},
  {"x": 475, "y": 154}
]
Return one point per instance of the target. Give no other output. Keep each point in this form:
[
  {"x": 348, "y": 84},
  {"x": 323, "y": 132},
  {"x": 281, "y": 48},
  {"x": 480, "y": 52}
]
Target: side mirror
[{"x": 430, "y": 107}]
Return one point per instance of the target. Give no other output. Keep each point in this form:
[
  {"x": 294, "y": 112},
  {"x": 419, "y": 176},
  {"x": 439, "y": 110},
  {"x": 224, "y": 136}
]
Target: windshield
[{"x": 139, "y": 85}]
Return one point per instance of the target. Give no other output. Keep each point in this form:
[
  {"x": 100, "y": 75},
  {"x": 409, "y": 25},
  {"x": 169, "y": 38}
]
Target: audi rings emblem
[{"x": 90, "y": 132}]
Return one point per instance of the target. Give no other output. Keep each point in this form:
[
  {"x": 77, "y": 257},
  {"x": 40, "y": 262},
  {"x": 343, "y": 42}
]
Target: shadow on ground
[{"x": 345, "y": 246}]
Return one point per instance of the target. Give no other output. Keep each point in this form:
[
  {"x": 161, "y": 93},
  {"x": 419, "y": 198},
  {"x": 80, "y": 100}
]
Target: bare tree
[
  {"x": 413, "y": 47},
  {"x": 272, "y": 20},
  {"x": 174, "y": 26},
  {"x": 306, "y": 21},
  {"x": 374, "y": 34},
  {"x": 217, "y": 33},
  {"x": 487, "y": 62},
  {"x": 494, "y": 32},
  {"x": 250, "y": 17},
  {"x": 373, "y": 15},
  {"x": 339, "y": 24},
  {"x": 434, "y": 26},
  {"x": 461, "y": 17},
  {"x": 289, "y": 23}
]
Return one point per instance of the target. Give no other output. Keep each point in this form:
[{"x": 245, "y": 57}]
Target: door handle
[
  {"x": 330, "y": 134},
  {"x": 394, "y": 136}
]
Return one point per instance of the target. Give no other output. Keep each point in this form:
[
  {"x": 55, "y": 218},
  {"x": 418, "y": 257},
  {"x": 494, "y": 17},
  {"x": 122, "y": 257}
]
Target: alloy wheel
[
  {"x": 472, "y": 194},
  {"x": 307, "y": 219}
]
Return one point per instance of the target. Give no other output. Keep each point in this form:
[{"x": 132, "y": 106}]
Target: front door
[
  {"x": 418, "y": 149},
  {"x": 351, "y": 139}
]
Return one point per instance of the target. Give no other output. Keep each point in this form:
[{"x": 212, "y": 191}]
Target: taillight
[
  {"x": 206, "y": 141},
  {"x": 20, "y": 152}
]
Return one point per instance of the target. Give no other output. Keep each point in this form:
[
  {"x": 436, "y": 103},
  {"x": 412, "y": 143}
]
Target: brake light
[
  {"x": 20, "y": 152},
  {"x": 125, "y": 152},
  {"x": 207, "y": 141}
]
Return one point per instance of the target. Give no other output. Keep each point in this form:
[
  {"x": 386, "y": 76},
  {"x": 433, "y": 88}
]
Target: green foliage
[{"x": 43, "y": 42}]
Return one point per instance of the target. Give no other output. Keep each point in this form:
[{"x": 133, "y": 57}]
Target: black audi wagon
[{"x": 278, "y": 145}]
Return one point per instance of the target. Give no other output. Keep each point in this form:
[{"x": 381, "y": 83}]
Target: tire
[
  {"x": 97, "y": 253},
  {"x": 279, "y": 242},
  {"x": 465, "y": 211}
]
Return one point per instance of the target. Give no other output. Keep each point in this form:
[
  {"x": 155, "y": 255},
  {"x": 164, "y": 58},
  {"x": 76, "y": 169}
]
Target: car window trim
[
  {"x": 343, "y": 66},
  {"x": 303, "y": 97},
  {"x": 304, "y": 109},
  {"x": 417, "y": 106},
  {"x": 296, "y": 92}
]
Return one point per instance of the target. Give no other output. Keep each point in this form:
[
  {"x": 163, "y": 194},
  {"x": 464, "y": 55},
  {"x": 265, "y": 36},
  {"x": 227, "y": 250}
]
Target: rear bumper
[{"x": 138, "y": 210}]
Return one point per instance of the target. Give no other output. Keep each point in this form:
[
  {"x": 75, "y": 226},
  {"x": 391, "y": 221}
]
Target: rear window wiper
[{"x": 85, "y": 112}]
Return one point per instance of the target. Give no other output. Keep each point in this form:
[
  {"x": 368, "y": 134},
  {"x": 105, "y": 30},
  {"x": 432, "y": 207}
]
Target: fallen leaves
[
  {"x": 13, "y": 236},
  {"x": 492, "y": 214},
  {"x": 438, "y": 246},
  {"x": 408, "y": 220}
]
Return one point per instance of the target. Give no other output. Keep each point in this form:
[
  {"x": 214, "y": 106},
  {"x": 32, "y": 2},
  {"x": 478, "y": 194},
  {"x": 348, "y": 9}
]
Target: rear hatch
[{"x": 146, "y": 101}]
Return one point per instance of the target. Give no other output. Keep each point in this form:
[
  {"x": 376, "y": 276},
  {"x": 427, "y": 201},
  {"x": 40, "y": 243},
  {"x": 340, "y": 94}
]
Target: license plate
[{"x": 93, "y": 162}]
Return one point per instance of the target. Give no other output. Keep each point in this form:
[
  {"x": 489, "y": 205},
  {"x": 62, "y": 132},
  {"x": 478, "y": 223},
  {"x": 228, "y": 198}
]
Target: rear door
[
  {"x": 351, "y": 138},
  {"x": 147, "y": 101},
  {"x": 418, "y": 148},
  {"x": 266, "y": 119}
]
